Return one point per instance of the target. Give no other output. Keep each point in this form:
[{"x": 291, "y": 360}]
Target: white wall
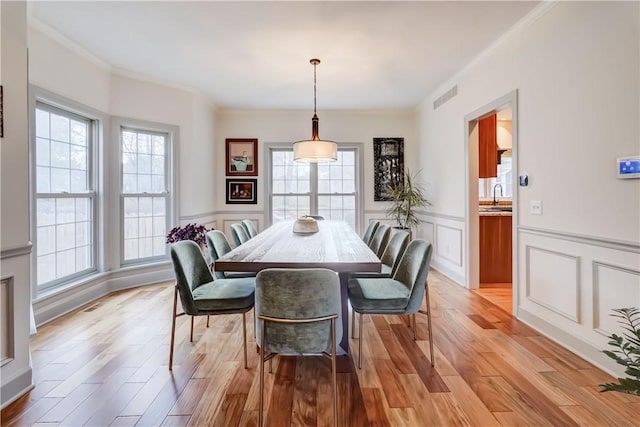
[
  {"x": 576, "y": 67},
  {"x": 15, "y": 362},
  {"x": 288, "y": 126},
  {"x": 63, "y": 69}
]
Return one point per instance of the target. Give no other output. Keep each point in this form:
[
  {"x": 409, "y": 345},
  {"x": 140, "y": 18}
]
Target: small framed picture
[
  {"x": 242, "y": 191},
  {"x": 241, "y": 157}
]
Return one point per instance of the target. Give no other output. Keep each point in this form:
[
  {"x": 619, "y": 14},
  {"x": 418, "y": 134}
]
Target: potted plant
[
  {"x": 406, "y": 199},
  {"x": 626, "y": 352}
]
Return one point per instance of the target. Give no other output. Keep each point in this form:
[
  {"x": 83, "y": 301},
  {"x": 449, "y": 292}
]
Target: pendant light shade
[{"x": 315, "y": 150}]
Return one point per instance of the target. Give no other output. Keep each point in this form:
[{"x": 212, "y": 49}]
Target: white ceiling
[{"x": 381, "y": 54}]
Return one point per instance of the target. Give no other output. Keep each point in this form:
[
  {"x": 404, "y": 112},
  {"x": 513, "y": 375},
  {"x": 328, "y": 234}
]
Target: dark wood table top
[{"x": 335, "y": 246}]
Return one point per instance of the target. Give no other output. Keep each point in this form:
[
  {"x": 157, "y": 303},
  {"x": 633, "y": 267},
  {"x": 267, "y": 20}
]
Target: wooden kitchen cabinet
[
  {"x": 488, "y": 147},
  {"x": 495, "y": 249}
]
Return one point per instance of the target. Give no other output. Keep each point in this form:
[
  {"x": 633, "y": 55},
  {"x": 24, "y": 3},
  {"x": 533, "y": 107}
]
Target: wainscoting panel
[
  {"x": 613, "y": 287},
  {"x": 446, "y": 234},
  {"x": 553, "y": 281},
  {"x": 568, "y": 284},
  {"x": 6, "y": 321}
]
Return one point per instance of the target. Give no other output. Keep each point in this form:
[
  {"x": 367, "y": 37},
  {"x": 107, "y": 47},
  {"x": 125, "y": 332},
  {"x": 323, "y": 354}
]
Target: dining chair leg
[
  {"x": 173, "y": 328},
  {"x": 413, "y": 326},
  {"x": 261, "y": 406},
  {"x": 191, "y": 336},
  {"x": 360, "y": 339},
  {"x": 426, "y": 296},
  {"x": 207, "y": 320},
  {"x": 334, "y": 381},
  {"x": 244, "y": 338},
  {"x": 353, "y": 323}
]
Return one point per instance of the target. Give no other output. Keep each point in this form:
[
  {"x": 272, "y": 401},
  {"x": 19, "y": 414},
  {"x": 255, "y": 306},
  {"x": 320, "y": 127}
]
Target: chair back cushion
[
  {"x": 298, "y": 294},
  {"x": 380, "y": 239},
  {"x": 413, "y": 270},
  {"x": 250, "y": 227},
  {"x": 371, "y": 228},
  {"x": 395, "y": 249},
  {"x": 239, "y": 234},
  {"x": 218, "y": 246},
  {"x": 191, "y": 271}
]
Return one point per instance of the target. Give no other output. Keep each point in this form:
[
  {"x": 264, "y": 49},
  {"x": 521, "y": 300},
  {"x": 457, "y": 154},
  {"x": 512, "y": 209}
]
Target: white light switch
[{"x": 535, "y": 207}]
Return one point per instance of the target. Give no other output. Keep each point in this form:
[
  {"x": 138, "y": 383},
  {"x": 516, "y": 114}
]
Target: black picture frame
[
  {"x": 241, "y": 156},
  {"x": 388, "y": 166},
  {"x": 242, "y": 191}
]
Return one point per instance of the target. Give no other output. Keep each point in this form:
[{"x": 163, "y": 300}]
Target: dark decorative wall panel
[{"x": 388, "y": 165}]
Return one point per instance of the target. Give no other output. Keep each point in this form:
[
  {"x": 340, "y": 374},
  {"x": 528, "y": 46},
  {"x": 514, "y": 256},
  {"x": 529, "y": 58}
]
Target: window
[
  {"x": 327, "y": 189},
  {"x": 144, "y": 193},
  {"x": 65, "y": 196},
  {"x": 504, "y": 178}
]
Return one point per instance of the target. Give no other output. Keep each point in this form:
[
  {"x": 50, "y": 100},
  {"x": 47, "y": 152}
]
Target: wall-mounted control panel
[{"x": 629, "y": 167}]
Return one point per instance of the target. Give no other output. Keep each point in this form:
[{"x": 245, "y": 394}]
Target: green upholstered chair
[
  {"x": 250, "y": 228},
  {"x": 201, "y": 295},
  {"x": 239, "y": 234},
  {"x": 380, "y": 239},
  {"x": 391, "y": 256},
  {"x": 401, "y": 294},
  {"x": 371, "y": 229},
  {"x": 298, "y": 311},
  {"x": 218, "y": 246}
]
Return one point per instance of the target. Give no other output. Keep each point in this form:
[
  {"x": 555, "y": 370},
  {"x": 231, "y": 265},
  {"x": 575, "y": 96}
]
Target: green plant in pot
[
  {"x": 626, "y": 351},
  {"x": 406, "y": 199}
]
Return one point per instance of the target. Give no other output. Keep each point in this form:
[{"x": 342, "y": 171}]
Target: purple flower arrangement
[{"x": 193, "y": 232}]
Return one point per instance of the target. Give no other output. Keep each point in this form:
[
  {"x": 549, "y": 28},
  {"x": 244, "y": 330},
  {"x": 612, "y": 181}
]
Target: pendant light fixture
[{"x": 315, "y": 150}]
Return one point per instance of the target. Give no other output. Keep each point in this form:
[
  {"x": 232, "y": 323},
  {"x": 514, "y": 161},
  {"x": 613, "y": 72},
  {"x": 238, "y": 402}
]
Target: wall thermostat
[{"x": 629, "y": 167}]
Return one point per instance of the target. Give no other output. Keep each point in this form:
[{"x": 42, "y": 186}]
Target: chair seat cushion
[
  {"x": 378, "y": 295},
  {"x": 239, "y": 274},
  {"x": 385, "y": 271},
  {"x": 225, "y": 295}
]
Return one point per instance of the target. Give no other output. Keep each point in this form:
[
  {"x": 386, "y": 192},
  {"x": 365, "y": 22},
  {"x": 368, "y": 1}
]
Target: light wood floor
[
  {"x": 106, "y": 365},
  {"x": 498, "y": 293}
]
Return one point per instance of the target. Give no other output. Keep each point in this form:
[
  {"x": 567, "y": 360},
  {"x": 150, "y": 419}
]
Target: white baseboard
[
  {"x": 576, "y": 345},
  {"x": 451, "y": 273},
  {"x": 14, "y": 388},
  {"x": 65, "y": 301}
]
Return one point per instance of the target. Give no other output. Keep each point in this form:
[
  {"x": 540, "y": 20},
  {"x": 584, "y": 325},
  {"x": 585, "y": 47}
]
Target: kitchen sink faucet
[{"x": 495, "y": 201}]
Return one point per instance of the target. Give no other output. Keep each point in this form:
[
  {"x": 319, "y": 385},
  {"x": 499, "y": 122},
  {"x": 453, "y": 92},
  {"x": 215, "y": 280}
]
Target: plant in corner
[
  {"x": 193, "y": 232},
  {"x": 406, "y": 199},
  {"x": 626, "y": 351}
]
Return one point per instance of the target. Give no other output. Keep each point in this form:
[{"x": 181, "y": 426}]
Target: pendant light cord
[{"x": 314, "y": 87}]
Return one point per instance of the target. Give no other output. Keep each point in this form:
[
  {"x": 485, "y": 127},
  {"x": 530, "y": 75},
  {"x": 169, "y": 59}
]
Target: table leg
[{"x": 344, "y": 279}]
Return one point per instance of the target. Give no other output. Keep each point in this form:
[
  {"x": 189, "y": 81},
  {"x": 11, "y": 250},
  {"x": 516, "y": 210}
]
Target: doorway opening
[{"x": 491, "y": 195}]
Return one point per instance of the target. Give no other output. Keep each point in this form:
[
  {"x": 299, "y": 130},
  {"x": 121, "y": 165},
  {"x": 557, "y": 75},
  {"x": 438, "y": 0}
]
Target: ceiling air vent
[{"x": 445, "y": 97}]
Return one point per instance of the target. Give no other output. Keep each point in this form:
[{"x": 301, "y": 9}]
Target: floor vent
[{"x": 445, "y": 97}]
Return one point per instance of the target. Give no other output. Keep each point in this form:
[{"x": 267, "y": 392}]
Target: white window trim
[
  {"x": 117, "y": 223},
  {"x": 97, "y": 178},
  {"x": 359, "y": 154}
]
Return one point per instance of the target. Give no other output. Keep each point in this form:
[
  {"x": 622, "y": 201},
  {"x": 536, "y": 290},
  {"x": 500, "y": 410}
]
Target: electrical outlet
[{"x": 535, "y": 207}]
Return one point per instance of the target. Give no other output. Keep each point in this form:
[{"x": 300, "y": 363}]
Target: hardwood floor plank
[
  {"x": 496, "y": 370},
  {"x": 545, "y": 400},
  {"x": 374, "y": 406},
  {"x": 421, "y": 363},
  {"x": 281, "y": 405},
  {"x": 473, "y": 407}
]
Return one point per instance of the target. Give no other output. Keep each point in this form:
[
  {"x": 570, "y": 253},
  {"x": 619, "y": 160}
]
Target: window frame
[
  {"x": 171, "y": 133},
  {"x": 313, "y": 176},
  {"x": 71, "y": 110}
]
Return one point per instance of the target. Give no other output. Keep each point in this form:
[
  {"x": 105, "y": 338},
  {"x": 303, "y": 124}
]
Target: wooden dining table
[{"x": 336, "y": 246}]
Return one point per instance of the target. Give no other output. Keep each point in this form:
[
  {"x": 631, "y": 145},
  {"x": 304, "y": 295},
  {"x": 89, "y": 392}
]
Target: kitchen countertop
[{"x": 495, "y": 213}]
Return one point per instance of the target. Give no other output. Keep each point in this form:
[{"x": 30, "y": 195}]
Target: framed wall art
[
  {"x": 241, "y": 157},
  {"x": 388, "y": 166},
  {"x": 242, "y": 191}
]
